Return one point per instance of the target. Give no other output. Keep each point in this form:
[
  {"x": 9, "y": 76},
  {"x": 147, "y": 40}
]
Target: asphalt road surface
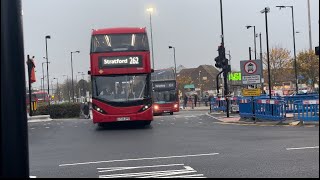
[{"x": 187, "y": 144}]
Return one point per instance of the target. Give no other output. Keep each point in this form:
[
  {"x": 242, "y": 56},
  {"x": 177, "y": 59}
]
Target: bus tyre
[
  {"x": 171, "y": 113},
  {"x": 147, "y": 123},
  {"x": 101, "y": 124}
]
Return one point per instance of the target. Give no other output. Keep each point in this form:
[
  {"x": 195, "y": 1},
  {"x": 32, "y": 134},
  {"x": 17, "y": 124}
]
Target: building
[{"x": 203, "y": 78}]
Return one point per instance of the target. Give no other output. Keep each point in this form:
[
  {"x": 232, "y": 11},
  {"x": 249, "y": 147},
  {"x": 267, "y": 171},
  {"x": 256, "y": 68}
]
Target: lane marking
[
  {"x": 315, "y": 147},
  {"x": 138, "y": 159},
  {"x": 136, "y": 167},
  {"x": 185, "y": 172},
  {"x": 47, "y": 127},
  {"x": 32, "y": 176}
]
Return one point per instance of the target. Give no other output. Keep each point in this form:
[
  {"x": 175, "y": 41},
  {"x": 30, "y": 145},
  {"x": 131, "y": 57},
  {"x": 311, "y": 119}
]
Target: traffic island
[
  {"x": 236, "y": 119},
  {"x": 39, "y": 118}
]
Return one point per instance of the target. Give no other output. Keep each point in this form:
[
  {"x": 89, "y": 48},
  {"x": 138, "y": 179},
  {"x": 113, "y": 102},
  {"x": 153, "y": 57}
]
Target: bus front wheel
[
  {"x": 147, "y": 123},
  {"x": 171, "y": 113}
]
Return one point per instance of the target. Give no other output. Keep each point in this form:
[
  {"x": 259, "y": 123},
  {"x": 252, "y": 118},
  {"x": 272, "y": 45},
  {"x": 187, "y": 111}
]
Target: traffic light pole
[
  {"x": 29, "y": 64},
  {"x": 14, "y": 123},
  {"x": 226, "y": 65}
]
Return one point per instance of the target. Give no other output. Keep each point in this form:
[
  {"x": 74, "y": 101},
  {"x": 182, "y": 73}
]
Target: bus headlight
[
  {"x": 175, "y": 106},
  {"x": 155, "y": 107},
  {"x": 145, "y": 107},
  {"x": 95, "y": 107}
]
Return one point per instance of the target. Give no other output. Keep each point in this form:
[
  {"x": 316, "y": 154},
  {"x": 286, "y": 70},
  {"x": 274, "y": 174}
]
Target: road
[{"x": 188, "y": 144}]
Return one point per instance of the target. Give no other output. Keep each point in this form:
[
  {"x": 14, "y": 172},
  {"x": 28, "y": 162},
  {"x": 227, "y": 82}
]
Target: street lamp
[
  {"x": 255, "y": 42},
  {"x": 150, "y": 10},
  {"x": 200, "y": 81},
  {"x": 82, "y": 73},
  {"x": 265, "y": 11},
  {"x": 58, "y": 92},
  {"x": 174, "y": 58},
  {"x": 46, "y": 38},
  {"x": 67, "y": 86},
  {"x": 294, "y": 45},
  {"x": 72, "y": 74},
  {"x": 42, "y": 85}
]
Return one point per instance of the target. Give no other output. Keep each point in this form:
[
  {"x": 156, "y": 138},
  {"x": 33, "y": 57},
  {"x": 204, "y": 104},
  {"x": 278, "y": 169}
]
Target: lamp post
[
  {"x": 309, "y": 25},
  {"x": 72, "y": 74},
  {"x": 46, "y": 38},
  {"x": 42, "y": 86},
  {"x": 82, "y": 73},
  {"x": 255, "y": 41},
  {"x": 68, "y": 90},
  {"x": 58, "y": 92},
  {"x": 200, "y": 82},
  {"x": 265, "y": 11},
  {"x": 174, "y": 58},
  {"x": 260, "y": 41},
  {"x": 150, "y": 10},
  {"x": 294, "y": 45}
]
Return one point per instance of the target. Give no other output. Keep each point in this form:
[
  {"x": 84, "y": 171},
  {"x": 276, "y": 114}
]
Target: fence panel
[{"x": 308, "y": 110}]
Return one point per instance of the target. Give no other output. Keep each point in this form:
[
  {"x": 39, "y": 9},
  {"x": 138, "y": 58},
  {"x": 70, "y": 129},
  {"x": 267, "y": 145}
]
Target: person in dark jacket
[
  {"x": 195, "y": 100},
  {"x": 185, "y": 101}
]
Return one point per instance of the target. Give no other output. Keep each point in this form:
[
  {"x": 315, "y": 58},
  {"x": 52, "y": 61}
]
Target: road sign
[
  {"x": 250, "y": 67},
  {"x": 251, "y": 92},
  {"x": 248, "y": 80},
  {"x": 251, "y": 72}
]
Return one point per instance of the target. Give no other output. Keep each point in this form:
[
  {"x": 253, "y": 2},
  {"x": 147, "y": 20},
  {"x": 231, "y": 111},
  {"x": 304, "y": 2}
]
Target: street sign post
[
  {"x": 251, "y": 72},
  {"x": 251, "y": 92}
]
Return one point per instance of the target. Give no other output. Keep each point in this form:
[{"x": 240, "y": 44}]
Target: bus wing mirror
[
  {"x": 152, "y": 70},
  {"x": 89, "y": 72}
]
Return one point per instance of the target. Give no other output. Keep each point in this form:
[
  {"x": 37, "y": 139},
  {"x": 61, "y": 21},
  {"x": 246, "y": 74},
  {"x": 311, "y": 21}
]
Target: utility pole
[
  {"x": 309, "y": 24},
  {"x": 14, "y": 123},
  {"x": 226, "y": 66}
]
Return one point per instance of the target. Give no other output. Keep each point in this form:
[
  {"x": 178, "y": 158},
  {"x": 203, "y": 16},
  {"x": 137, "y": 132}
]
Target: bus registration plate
[{"x": 123, "y": 118}]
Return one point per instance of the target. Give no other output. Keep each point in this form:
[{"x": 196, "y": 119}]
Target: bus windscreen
[{"x": 119, "y": 42}]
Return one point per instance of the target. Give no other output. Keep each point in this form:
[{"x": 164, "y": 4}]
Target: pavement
[
  {"x": 236, "y": 119},
  {"x": 201, "y": 108}
]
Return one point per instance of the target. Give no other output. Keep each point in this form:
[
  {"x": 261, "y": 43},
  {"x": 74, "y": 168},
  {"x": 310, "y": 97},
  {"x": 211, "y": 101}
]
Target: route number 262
[{"x": 134, "y": 60}]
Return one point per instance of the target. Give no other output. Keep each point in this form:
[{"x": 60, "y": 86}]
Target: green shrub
[{"x": 59, "y": 111}]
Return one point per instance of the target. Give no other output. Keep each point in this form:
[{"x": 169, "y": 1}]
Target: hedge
[{"x": 59, "y": 111}]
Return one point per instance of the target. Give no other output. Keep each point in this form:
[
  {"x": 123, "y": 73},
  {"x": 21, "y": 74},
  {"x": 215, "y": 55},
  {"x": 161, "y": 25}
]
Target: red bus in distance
[
  {"x": 164, "y": 92},
  {"x": 121, "y": 75}
]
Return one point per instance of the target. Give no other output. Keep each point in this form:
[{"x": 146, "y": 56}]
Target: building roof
[
  {"x": 210, "y": 69},
  {"x": 186, "y": 72}
]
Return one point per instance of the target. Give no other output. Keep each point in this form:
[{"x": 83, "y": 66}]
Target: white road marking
[
  {"x": 139, "y": 159},
  {"x": 315, "y": 147},
  {"x": 200, "y": 122},
  {"x": 32, "y": 176},
  {"x": 32, "y": 128},
  {"x": 47, "y": 127},
  {"x": 185, "y": 172},
  {"x": 135, "y": 167},
  {"x": 190, "y": 116}
]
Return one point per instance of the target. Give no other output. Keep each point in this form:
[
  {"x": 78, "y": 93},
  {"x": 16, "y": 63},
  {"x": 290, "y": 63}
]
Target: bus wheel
[
  {"x": 101, "y": 124},
  {"x": 147, "y": 123},
  {"x": 171, "y": 113}
]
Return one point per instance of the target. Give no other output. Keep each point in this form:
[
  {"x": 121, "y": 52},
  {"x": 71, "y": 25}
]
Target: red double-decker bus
[
  {"x": 121, "y": 75},
  {"x": 165, "y": 92}
]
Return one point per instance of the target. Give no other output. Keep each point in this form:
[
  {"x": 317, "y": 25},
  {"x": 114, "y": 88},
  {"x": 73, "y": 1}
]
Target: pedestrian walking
[{"x": 185, "y": 101}]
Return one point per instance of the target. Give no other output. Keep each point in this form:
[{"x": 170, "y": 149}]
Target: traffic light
[
  {"x": 222, "y": 52},
  {"x": 218, "y": 62}
]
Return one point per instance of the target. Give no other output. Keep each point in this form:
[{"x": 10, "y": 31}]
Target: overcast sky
[{"x": 192, "y": 26}]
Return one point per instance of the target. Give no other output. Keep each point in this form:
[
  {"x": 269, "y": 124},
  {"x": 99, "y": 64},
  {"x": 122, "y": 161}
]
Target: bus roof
[{"x": 120, "y": 30}]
